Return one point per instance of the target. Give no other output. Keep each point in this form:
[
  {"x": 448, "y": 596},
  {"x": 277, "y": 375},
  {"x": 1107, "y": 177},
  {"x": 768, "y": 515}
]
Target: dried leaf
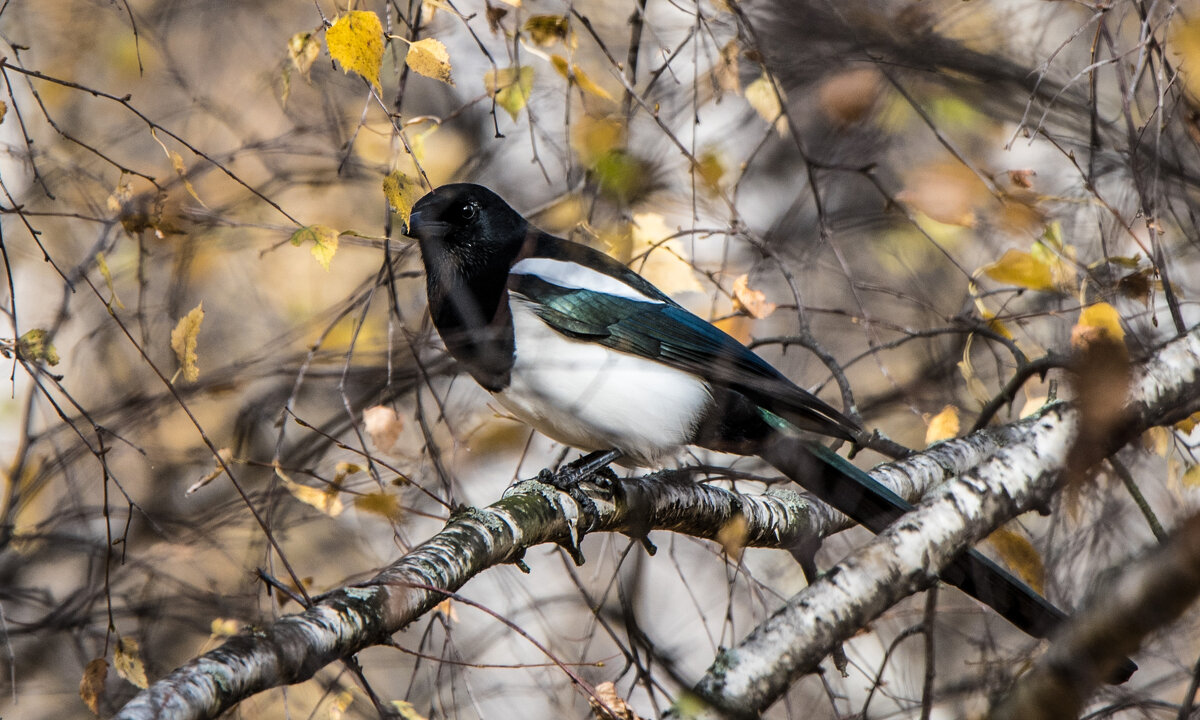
[
  {"x": 355, "y": 40},
  {"x": 974, "y": 385},
  {"x": 225, "y": 454},
  {"x": 383, "y": 425},
  {"x": 428, "y": 57},
  {"x": 1021, "y": 556},
  {"x": 576, "y": 75},
  {"x": 128, "y": 663},
  {"x": 402, "y": 193},
  {"x": 446, "y": 609},
  {"x": 303, "y": 50},
  {"x": 327, "y": 501},
  {"x": 91, "y": 685},
  {"x": 177, "y": 164},
  {"x": 608, "y": 705},
  {"x": 324, "y": 240},
  {"x": 34, "y": 346},
  {"x": 1017, "y": 267},
  {"x": 942, "y": 426},
  {"x": 1188, "y": 424},
  {"x": 511, "y": 86},
  {"x": 726, "y": 71},
  {"x": 749, "y": 301},
  {"x": 1157, "y": 440},
  {"x": 121, "y": 195},
  {"x": 494, "y": 16},
  {"x": 183, "y": 342},
  {"x": 3, "y": 110}
]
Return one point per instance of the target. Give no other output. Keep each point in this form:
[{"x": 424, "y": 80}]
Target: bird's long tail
[{"x": 871, "y": 504}]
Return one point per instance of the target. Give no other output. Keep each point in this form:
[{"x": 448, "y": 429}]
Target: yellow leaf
[
  {"x": 576, "y": 75},
  {"x": 1099, "y": 322},
  {"x": 303, "y": 50},
  {"x": 942, "y": 426},
  {"x": 752, "y": 302},
  {"x": 129, "y": 664},
  {"x": 446, "y": 609},
  {"x": 383, "y": 425},
  {"x": 382, "y": 504},
  {"x": 511, "y": 86},
  {"x": 762, "y": 97},
  {"x": 1188, "y": 424},
  {"x": 3, "y": 110},
  {"x": 327, "y": 501},
  {"x": 224, "y": 627},
  {"x": 545, "y": 30},
  {"x": 594, "y": 137},
  {"x": 337, "y": 709},
  {"x": 343, "y": 470},
  {"x": 733, "y": 534},
  {"x": 428, "y": 57},
  {"x": 33, "y": 346},
  {"x": 405, "y": 708},
  {"x": 224, "y": 454},
  {"x": 1157, "y": 440},
  {"x": 402, "y": 193},
  {"x": 1021, "y": 556},
  {"x": 1191, "y": 477},
  {"x": 660, "y": 260},
  {"x": 1017, "y": 267},
  {"x": 323, "y": 238},
  {"x": 183, "y": 342},
  {"x": 102, "y": 265},
  {"x": 91, "y": 685},
  {"x": 974, "y": 385},
  {"x": 355, "y": 40}
]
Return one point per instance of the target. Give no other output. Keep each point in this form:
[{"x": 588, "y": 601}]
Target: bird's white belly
[{"x": 593, "y": 398}]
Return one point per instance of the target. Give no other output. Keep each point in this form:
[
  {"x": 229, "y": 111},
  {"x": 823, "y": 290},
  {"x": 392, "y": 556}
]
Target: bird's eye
[{"x": 468, "y": 212}]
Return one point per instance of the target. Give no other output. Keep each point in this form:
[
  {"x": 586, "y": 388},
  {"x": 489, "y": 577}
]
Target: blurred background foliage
[{"x": 903, "y": 205}]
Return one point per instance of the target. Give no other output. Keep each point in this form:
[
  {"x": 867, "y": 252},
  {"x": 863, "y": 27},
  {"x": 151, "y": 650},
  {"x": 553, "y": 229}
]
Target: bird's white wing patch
[
  {"x": 579, "y": 277},
  {"x": 595, "y": 398}
]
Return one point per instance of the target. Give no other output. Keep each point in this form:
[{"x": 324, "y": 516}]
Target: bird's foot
[{"x": 593, "y": 467}]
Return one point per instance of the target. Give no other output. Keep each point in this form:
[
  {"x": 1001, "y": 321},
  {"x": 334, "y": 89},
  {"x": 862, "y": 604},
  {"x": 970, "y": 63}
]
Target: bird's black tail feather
[{"x": 871, "y": 504}]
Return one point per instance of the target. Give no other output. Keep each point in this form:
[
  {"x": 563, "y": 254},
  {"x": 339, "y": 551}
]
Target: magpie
[{"x": 593, "y": 355}]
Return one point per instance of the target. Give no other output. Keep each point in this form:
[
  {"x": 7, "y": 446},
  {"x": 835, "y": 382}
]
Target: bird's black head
[{"x": 466, "y": 232}]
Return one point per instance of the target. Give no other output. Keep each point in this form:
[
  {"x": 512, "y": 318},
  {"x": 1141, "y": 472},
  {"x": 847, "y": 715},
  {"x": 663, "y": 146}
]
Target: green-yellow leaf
[
  {"x": 128, "y": 663},
  {"x": 323, "y": 238},
  {"x": 402, "y": 193},
  {"x": 102, "y": 265},
  {"x": 575, "y": 74},
  {"x": 224, "y": 627},
  {"x": 33, "y": 345},
  {"x": 355, "y": 40},
  {"x": 428, "y": 57},
  {"x": 511, "y": 86},
  {"x": 1017, "y": 267},
  {"x": 183, "y": 342},
  {"x": 303, "y": 50}
]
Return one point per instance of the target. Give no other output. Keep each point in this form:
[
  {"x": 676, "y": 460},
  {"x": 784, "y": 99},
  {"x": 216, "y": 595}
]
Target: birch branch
[{"x": 747, "y": 679}]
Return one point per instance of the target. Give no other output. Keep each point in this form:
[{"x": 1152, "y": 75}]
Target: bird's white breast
[{"x": 593, "y": 398}]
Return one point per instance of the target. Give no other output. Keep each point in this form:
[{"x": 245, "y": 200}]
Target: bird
[{"x": 591, "y": 354}]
